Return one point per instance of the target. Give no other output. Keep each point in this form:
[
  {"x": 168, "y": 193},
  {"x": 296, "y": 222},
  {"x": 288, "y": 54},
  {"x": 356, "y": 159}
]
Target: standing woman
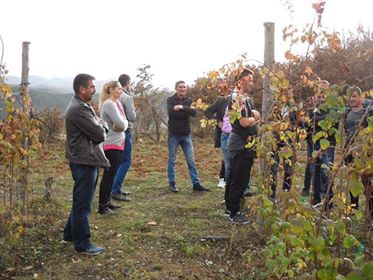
[{"x": 112, "y": 112}]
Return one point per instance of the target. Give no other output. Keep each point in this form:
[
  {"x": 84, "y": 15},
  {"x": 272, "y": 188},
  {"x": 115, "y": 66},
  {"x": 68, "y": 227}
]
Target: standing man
[
  {"x": 179, "y": 111},
  {"x": 85, "y": 133},
  {"x": 126, "y": 160},
  {"x": 241, "y": 145}
]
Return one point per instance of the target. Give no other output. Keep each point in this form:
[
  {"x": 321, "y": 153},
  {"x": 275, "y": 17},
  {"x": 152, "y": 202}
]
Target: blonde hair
[{"x": 105, "y": 92}]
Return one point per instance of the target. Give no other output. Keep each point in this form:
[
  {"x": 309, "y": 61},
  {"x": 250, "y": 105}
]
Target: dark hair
[
  {"x": 354, "y": 89},
  {"x": 81, "y": 80},
  {"x": 124, "y": 79},
  {"x": 243, "y": 72},
  {"x": 178, "y": 83}
]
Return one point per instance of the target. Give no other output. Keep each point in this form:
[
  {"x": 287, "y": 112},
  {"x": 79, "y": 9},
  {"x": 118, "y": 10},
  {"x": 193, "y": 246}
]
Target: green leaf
[
  {"x": 331, "y": 100},
  {"x": 355, "y": 186},
  {"x": 355, "y": 275},
  {"x": 317, "y": 243},
  {"x": 368, "y": 269},
  {"x": 324, "y": 144},
  {"x": 341, "y": 227},
  {"x": 349, "y": 241},
  {"x": 327, "y": 273},
  {"x": 318, "y": 135}
]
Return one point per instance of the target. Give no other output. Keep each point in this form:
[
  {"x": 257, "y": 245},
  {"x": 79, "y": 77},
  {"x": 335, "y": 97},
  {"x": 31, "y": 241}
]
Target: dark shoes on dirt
[
  {"x": 238, "y": 218},
  {"x": 92, "y": 250},
  {"x": 120, "y": 197},
  {"x": 200, "y": 188}
]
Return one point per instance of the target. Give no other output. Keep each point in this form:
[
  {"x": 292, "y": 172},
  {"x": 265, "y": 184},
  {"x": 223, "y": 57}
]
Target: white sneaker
[{"x": 221, "y": 183}]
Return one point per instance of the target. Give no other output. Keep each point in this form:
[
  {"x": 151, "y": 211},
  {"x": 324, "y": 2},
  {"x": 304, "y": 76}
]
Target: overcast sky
[{"x": 180, "y": 39}]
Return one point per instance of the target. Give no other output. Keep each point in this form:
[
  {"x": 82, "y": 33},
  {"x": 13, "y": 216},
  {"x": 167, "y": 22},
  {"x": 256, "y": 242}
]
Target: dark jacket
[
  {"x": 178, "y": 121},
  {"x": 217, "y": 111},
  {"x": 85, "y": 133}
]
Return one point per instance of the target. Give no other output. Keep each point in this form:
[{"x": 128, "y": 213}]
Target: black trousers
[
  {"x": 108, "y": 177},
  {"x": 238, "y": 179}
]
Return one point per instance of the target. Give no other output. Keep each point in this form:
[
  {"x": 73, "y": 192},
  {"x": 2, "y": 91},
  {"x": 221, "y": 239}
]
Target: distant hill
[{"x": 46, "y": 93}]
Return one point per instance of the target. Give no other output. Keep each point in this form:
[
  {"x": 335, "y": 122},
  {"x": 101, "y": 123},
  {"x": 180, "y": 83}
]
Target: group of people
[
  {"x": 235, "y": 138},
  {"x": 105, "y": 141}
]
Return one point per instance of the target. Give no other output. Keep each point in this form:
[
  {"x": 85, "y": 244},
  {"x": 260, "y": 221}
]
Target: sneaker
[
  {"x": 120, "y": 197},
  {"x": 221, "y": 183},
  {"x": 316, "y": 202},
  {"x": 113, "y": 206},
  {"x": 126, "y": 193},
  {"x": 227, "y": 212},
  {"x": 92, "y": 250},
  {"x": 200, "y": 188},
  {"x": 238, "y": 218},
  {"x": 66, "y": 240},
  {"x": 173, "y": 188}
]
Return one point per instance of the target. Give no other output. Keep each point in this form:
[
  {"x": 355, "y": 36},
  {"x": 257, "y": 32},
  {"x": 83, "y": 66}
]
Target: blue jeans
[
  {"x": 77, "y": 226},
  {"x": 321, "y": 180},
  {"x": 224, "y": 148},
  {"x": 185, "y": 141},
  {"x": 124, "y": 165}
]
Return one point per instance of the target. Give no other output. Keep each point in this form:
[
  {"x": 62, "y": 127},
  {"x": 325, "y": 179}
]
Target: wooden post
[
  {"x": 267, "y": 100},
  {"x": 269, "y": 60},
  {"x": 26, "y": 107}
]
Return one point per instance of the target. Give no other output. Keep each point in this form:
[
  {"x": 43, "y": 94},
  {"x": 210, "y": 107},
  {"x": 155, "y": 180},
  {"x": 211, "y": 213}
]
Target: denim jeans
[
  {"x": 124, "y": 165},
  {"x": 321, "y": 180},
  {"x": 224, "y": 148},
  {"x": 185, "y": 141},
  {"x": 77, "y": 226},
  {"x": 309, "y": 171}
]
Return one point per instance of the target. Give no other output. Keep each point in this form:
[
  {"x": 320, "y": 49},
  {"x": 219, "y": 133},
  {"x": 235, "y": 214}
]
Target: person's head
[
  {"x": 356, "y": 98},
  {"x": 112, "y": 90},
  {"x": 244, "y": 79},
  {"x": 125, "y": 81},
  {"x": 180, "y": 88},
  {"x": 84, "y": 87},
  {"x": 223, "y": 87}
]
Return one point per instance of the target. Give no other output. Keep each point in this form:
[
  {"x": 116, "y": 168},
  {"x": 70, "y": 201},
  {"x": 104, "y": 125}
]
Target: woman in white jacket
[{"x": 112, "y": 112}]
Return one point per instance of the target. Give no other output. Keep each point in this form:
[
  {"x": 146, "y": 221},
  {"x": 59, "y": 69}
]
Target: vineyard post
[
  {"x": 269, "y": 60},
  {"x": 26, "y": 106}
]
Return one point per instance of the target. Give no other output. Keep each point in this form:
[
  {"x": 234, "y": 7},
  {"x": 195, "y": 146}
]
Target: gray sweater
[
  {"x": 129, "y": 108},
  {"x": 113, "y": 114}
]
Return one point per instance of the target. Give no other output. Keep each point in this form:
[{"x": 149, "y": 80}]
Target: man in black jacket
[
  {"x": 84, "y": 134},
  {"x": 179, "y": 111}
]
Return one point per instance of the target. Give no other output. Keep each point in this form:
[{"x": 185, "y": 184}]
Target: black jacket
[
  {"x": 85, "y": 133},
  {"x": 217, "y": 111},
  {"x": 178, "y": 121}
]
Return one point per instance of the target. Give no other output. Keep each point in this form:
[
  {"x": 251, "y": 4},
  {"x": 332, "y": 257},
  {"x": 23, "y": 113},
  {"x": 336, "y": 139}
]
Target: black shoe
[
  {"x": 305, "y": 192},
  {"x": 92, "y": 250},
  {"x": 238, "y": 218},
  {"x": 106, "y": 211},
  {"x": 173, "y": 188},
  {"x": 200, "y": 188},
  {"x": 120, "y": 197},
  {"x": 125, "y": 193},
  {"x": 316, "y": 201},
  {"x": 247, "y": 192},
  {"x": 113, "y": 206}
]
